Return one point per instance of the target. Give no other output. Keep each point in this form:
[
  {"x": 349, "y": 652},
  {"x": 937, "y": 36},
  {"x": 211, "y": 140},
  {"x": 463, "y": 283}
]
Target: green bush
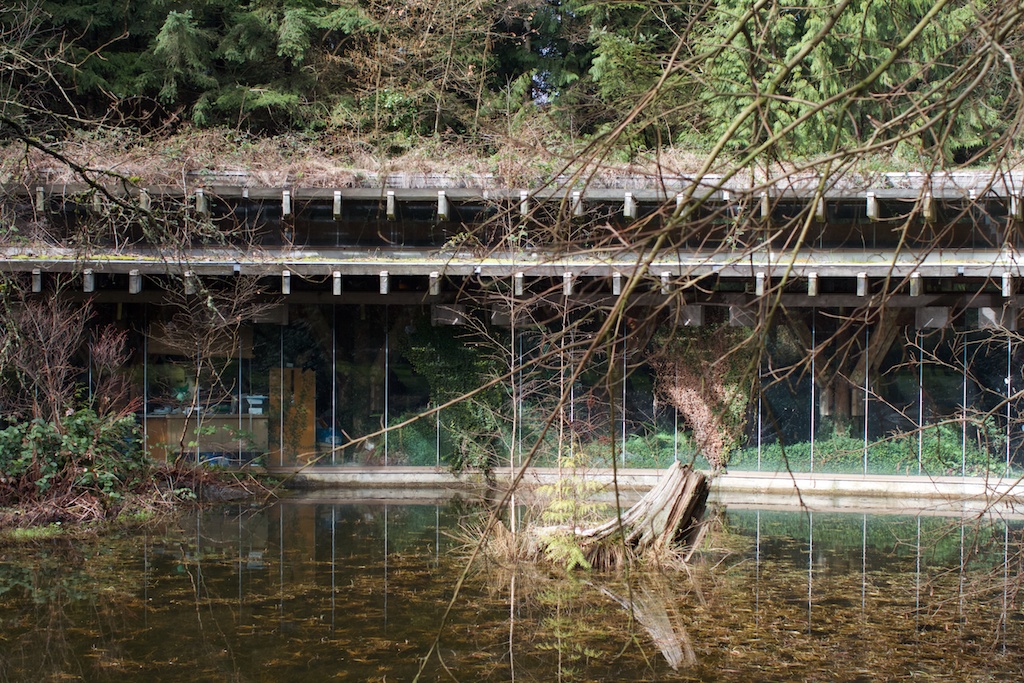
[
  {"x": 941, "y": 454},
  {"x": 414, "y": 444},
  {"x": 654, "y": 450},
  {"x": 84, "y": 452},
  {"x": 658, "y": 450}
]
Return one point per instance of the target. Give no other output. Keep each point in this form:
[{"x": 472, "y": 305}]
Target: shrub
[
  {"x": 941, "y": 454},
  {"x": 82, "y": 452}
]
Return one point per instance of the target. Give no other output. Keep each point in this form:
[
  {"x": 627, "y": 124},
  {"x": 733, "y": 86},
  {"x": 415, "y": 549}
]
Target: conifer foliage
[{"x": 789, "y": 79}]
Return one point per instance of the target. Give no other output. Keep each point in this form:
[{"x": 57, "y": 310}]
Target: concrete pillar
[
  {"x": 336, "y": 277},
  {"x": 517, "y": 284},
  {"x": 390, "y": 205},
  {"x": 577, "y": 204},
  {"x": 931, "y": 317},
  {"x": 691, "y": 316},
  {"x": 134, "y": 281},
  {"x": 88, "y": 281},
  {"x": 916, "y": 286},
  {"x": 501, "y": 315},
  {"x": 435, "y": 283},
  {"x": 337, "y": 205},
  {"x": 442, "y": 206},
  {"x": 862, "y": 284},
  {"x": 856, "y": 401},
  {"x": 448, "y": 314},
  {"x": 567, "y": 284},
  {"x": 742, "y": 316},
  {"x": 286, "y": 203},
  {"x": 872, "y": 206},
  {"x": 1003, "y": 319},
  {"x": 616, "y": 284},
  {"x": 385, "y": 282},
  {"x": 825, "y": 402},
  {"x": 202, "y": 204},
  {"x": 928, "y": 208},
  {"x": 37, "y": 280},
  {"x": 629, "y": 208},
  {"x": 286, "y": 282}
]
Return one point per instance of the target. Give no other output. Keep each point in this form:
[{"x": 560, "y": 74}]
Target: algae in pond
[{"x": 357, "y": 591}]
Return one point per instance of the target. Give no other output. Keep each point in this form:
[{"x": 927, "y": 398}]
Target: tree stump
[{"x": 668, "y": 516}]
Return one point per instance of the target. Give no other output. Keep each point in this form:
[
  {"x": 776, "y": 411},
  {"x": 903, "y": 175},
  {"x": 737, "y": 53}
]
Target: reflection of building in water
[{"x": 831, "y": 591}]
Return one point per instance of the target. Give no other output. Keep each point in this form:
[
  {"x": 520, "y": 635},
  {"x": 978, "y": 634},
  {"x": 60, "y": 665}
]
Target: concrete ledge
[
  {"x": 344, "y": 476},
  {"x": 830, "y": 490},
  {"x": 348, "y": 476},
  {"x": 870, "y": 493},
  {"x": 868, "y": 485}
]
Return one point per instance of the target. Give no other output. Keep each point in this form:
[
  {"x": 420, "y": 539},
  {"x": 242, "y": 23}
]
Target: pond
[{"x": 315, "y": 589}]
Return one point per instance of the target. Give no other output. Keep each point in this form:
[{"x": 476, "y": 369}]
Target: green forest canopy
[{"x": 789, "y": 80}]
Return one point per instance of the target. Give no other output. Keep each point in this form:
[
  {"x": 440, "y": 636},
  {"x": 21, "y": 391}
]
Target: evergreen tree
[{"x": 908, "y": 91}]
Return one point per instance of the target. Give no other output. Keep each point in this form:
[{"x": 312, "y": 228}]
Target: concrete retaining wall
[{"x": 817, "y": 491}]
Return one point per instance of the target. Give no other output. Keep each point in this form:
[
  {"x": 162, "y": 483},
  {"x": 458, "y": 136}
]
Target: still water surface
[{"x": 310, "y": 590}]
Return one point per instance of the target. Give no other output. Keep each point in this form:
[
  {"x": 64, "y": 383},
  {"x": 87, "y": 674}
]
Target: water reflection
[{"x": 311, "y": 590}]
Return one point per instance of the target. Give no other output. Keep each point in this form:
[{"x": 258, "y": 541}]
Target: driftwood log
[{"x": 668, "y": 516}]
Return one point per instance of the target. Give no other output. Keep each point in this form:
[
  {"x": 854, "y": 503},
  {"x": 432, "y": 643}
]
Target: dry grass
[
  {"x": 525, "y": 159},
  {"x": 166, "y": 488},
  {"x": 534, "y": 154}
]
